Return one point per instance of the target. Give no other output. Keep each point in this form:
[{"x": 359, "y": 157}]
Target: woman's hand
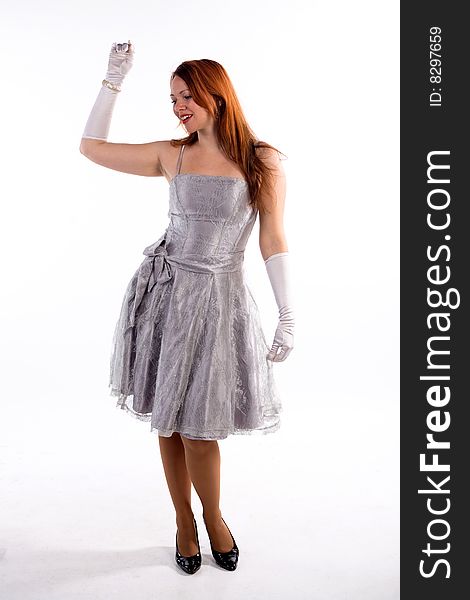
[
  {"x": 284, "y": 336},
  {"x": 121, "y": 59}
]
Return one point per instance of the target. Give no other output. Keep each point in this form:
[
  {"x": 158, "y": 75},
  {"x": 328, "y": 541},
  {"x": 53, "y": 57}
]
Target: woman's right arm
[{"x": 137, "y": 159}]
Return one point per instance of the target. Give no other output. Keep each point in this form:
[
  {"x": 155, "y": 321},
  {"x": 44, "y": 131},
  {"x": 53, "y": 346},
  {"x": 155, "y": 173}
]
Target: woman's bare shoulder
[
  {"x": 168, "y": 156},
  {"x": 266, "y": 153}
]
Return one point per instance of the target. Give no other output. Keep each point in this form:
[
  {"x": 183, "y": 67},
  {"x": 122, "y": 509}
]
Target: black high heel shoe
[
  {"x": 189, "y": 564},
  {"x": 226, "y": 560}
]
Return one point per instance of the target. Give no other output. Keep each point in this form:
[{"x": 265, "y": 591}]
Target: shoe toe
[
  {"x": 189, "y": 564},
  {"x": 226, "y": 560}
]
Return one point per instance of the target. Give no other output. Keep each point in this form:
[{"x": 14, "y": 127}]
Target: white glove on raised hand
[
  {"x": 121, "y": 59},
  {"x": 120, "y": 62},
  {"x": 277, "y": 266}
]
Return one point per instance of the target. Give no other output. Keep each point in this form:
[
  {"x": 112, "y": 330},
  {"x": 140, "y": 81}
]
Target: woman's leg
[
  {"x": 203, "y": 465},
  {"x": 179, "y": 483}
]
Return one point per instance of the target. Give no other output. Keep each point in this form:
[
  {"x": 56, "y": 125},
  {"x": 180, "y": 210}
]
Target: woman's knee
[{"x": 200, "y": 446}]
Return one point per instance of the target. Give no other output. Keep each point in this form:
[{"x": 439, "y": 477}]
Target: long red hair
[{"x": 211, "y": 88}]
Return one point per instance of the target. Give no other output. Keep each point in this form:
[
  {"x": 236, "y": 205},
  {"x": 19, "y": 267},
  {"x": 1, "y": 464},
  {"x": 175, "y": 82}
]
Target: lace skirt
[{"x": 188, "y": 351}]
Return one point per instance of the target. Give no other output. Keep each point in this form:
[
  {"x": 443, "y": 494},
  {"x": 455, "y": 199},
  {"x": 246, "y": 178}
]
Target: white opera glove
[
  {"x": 121, "y": 57},
  {"x": 277, "y": 266}
]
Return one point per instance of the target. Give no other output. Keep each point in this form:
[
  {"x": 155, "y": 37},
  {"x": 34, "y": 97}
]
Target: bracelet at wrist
[{"x": 111, "y": 86}]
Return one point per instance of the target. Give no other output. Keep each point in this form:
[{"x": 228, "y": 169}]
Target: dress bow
[{"x": 155, "y": 268}]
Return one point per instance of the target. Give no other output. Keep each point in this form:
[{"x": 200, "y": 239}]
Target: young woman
[{"x": 189, "y": 353}]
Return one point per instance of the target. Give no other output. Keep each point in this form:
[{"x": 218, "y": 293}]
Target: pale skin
[{"x": 187, "y": 461}]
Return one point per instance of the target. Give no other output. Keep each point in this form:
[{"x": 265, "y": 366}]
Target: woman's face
[{"x": 183, "y": 104}]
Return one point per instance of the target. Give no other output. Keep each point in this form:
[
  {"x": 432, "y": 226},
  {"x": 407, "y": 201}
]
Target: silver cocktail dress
[{"x": 188, "y": 351}]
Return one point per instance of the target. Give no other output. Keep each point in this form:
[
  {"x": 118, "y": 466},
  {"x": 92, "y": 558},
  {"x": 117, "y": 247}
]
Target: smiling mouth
[{"x": 186, "y": 118}]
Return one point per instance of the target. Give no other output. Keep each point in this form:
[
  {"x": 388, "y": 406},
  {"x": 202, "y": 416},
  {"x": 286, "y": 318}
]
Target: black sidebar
[{"x": 434, "y": 295}]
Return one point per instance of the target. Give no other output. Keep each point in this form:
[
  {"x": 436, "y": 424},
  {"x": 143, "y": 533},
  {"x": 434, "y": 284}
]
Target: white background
[{"x": 84, "y": 507}]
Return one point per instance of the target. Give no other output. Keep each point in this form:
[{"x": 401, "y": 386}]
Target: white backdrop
[{"x": 84, "y": 509}]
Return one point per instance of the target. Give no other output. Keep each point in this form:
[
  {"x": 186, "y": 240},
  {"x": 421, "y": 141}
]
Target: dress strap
[{"x": 180, "y": 158}]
